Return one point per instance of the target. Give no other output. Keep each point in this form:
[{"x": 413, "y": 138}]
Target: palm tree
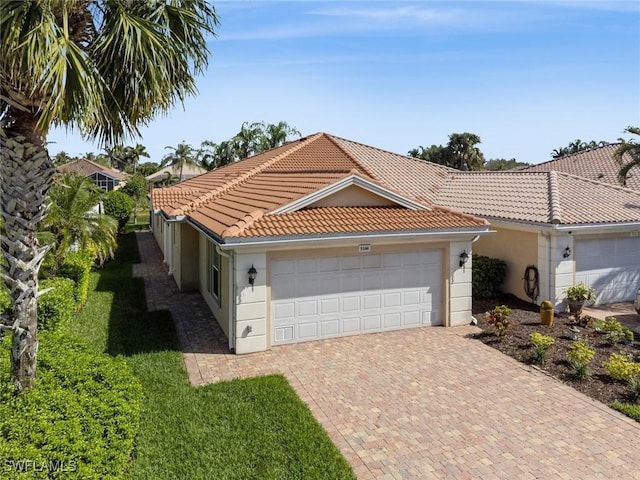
[
  {"x": 104, "y": 67},
  {"x": 133, "y": 155},
  {"x": 182, "y": 155},
  {"x": 631, "y": 149},
  {"x": 275, "y": 135},
  {"x": 73, "y": 221},
  {"x": 246, "y": 141},
  {"x": 464, "y": 153}
]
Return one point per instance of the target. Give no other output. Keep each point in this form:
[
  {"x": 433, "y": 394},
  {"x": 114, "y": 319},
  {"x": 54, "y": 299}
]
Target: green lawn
[{"x": 244, "y": 429}]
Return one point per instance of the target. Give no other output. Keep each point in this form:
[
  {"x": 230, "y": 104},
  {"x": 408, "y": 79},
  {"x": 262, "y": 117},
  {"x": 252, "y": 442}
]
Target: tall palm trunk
[{"x": 26, "y": 172}]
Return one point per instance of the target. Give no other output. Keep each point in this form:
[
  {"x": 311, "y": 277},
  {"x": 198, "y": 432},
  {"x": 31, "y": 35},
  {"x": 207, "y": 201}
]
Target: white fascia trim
[
  {"x": 574, "y": 228},
  {"x": 353, "y": 179},
  {"x": 233, "y": 243}
]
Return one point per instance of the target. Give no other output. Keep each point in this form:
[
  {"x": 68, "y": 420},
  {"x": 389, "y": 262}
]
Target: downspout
[
  {"x": 547, "y": 235},
  {"x": 232, "y": 296}
]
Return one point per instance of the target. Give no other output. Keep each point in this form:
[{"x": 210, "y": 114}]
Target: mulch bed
[{"x": 526, "y": 319}]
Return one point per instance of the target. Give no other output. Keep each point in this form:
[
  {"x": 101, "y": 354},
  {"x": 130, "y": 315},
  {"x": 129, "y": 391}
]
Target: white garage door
[
  {"x": 314, "y": 298},
  {"x": 611, "y": 266}
]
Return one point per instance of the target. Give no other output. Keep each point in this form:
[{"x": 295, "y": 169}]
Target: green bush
[
  {"x": 119, "y": 205},
  {"x": 81, "y": 417},
  {"x": 5, "y": 302},
  {"x": 541, "y": 344},
  {"x": 57, "y": 306},
  {"x": 488, "y": 275},
  {"x": 77, "y": 267},
  {"x": 580, "y": 355},
  {"x": 499, "y": 318}
]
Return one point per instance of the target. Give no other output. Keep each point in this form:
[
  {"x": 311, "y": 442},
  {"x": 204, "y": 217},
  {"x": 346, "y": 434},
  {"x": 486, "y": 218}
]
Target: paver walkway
[{"x": 429, "y": 403}]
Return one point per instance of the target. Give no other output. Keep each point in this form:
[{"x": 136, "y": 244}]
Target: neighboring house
[
  {"x": 172, "y": 173},
  {"x": 596, "y": 164},
  {"x": 106, "y": 178},
  {"x": 335, "y": 251},
  {"x": 349, "y": 239},
  {"x": 569, "y": 228}
]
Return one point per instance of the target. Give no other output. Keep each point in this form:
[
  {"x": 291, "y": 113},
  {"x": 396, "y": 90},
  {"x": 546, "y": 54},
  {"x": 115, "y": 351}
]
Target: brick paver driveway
[{"x": 424, "y": 403}]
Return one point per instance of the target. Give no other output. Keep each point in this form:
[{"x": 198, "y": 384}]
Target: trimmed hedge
[
  {"x": 79, "y": 421},
  {"x": 77, "y": 267},
  {"x": 119, "y": 205},
  {"x": 631, "y": 410},
  {"x": 488, "y": 275},
  {"x": 56, "y": 307}
]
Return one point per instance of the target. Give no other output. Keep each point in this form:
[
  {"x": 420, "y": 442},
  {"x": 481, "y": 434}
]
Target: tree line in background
[{"x": 253, "y": 138}]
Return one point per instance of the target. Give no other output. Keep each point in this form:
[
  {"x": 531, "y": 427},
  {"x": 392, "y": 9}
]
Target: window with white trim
[{"x": 213, "y": 272}]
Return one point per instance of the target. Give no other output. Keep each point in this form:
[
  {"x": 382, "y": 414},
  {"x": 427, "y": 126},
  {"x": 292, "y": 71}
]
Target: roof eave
[{"x": 404, "y": 235}]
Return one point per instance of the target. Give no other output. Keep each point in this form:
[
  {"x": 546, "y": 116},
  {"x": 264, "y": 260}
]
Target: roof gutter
[
  {"x": 576, "y": 227},
  {"x": 231, "y": 243}
]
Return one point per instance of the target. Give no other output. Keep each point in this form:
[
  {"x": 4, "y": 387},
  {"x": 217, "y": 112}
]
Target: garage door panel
[
  {"x": 372, "y": 281},
  {"x": 611, "y": 266},
  {"x": 371, "y": 301},
  {"x": 329, "y": 305},
  {"x": 411, "y": 318},
  {"x": 372, "y": 261},
  {"x": 329, "y": 264},
  {"x": 307, "y": 308},
  {"x": 351, "y": 304},
  {"x": 393, "y": 299},
  {"x": 333, "y": 296},
  {"x": 330, "y": 328},
  {"x": 392, "y": 320},
  {"x": 307, "y": 331},
  {"x": 372, "y": 322},
  {"x": 284, "y": 311},
  {"x": 351, "y": 283}
]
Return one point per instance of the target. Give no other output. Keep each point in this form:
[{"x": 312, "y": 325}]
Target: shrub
[
  {"x": 615, "y": 331},
  {"x": 119, "y": 205},
  {"x": 57, "y": 306},
  {"x": 580, "y": 355},
  {"x": 77, "y": 267},
  {"x": 499, "y": 318},
  {"x": 541, "y": 344},
  {"x": 621, "y": 367},
  {"x": 83, "y": 412},
  {"x": 488, "y": 275}
]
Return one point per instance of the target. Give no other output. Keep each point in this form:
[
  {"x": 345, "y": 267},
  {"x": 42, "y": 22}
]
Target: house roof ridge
[
  {"x": 596, "y": 182},
  {"x": 351, "y": 157},
  {"x": 575, "y": 154},
  {"x": 406, "y": 157},
  {"x": 555, "y": 209},
  {"x": 243, "y": 177}
]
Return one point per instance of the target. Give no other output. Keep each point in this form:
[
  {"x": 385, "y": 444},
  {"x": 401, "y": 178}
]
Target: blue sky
[{"x": 526, "y": 76}]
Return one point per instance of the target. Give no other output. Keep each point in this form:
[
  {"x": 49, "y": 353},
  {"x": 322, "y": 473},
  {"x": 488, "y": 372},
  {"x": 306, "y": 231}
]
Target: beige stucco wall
[
  {"x": 252, "y": 332},
  {"x": 158, "y": 227},
  {"x": 353, "y": 195},
  {"x": 517, "y": 248},
  {"x": 188, "y": 252},
  {"x": 221, "y": 310}
]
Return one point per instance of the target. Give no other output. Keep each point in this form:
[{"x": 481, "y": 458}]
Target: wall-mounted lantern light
[
  {"x": 567, "y": 252},
  {"x": 464, "y": 256},
  {"x": 253, "y": 273}
]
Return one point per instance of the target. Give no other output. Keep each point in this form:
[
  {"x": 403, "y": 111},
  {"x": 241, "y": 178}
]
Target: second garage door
[
  {"x": 321, "y": 297},
  {"x": 611, "y": 266}
]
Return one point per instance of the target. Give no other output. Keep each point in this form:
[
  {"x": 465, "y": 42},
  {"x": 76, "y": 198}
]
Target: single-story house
[
  {"x": 106, "y": 178},
  {"x": 595, "y": 164},
  {"x": 325, "y": 237},
  {"x": 303, "y": 242},
  {"x": 171, "y": 173}
]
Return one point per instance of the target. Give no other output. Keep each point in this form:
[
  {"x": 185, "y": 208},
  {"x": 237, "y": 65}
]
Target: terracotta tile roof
[
  {"x": 336, "y": 220},
  {"x": 416, "y": 178},
  {"x": 595, "y": 164},
  {"x": 237, "y": 199},
  {"x": 540, "y": 197},
  {"x": 87, "y": 167}
]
